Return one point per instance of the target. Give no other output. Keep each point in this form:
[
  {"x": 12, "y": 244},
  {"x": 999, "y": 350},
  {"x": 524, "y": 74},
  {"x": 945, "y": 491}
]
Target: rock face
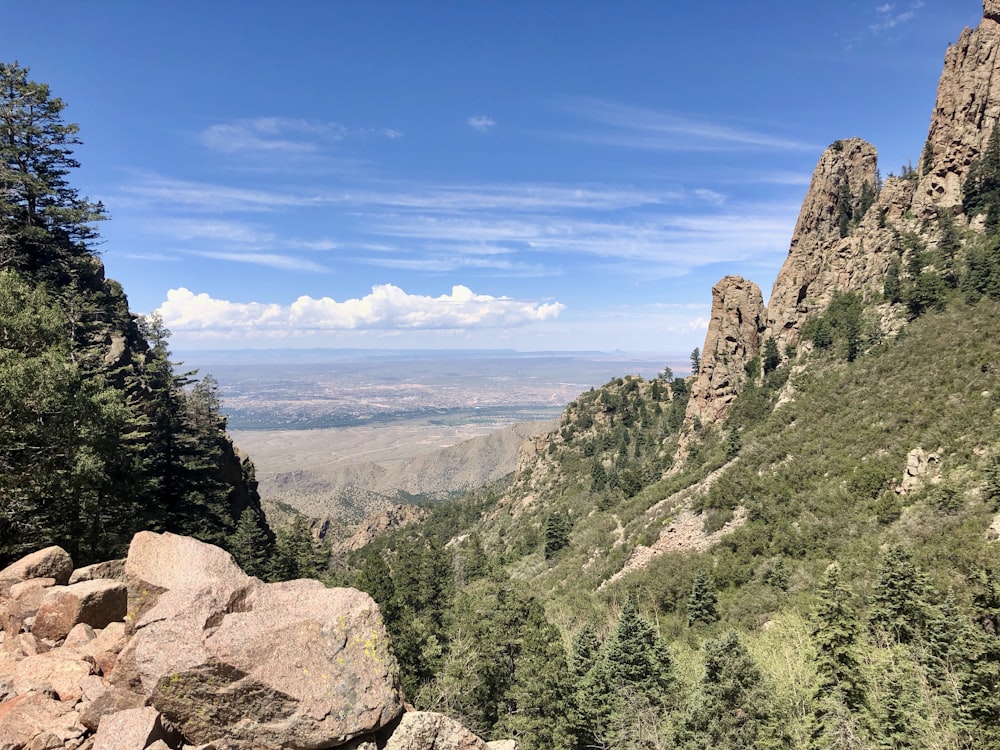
[
  {"x": 206, "y": 656},
  {"x": 820, "y": 260},
  {"x": 420, "y": 730},
  {"x": 966, "y": 111},
  {"x": 848, "y": 231},
  {"x": 734, "y": 338},
  {"x": 393, "y": 517}
]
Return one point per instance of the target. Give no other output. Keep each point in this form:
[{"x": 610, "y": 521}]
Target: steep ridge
[{"x": 850, "y": 226}]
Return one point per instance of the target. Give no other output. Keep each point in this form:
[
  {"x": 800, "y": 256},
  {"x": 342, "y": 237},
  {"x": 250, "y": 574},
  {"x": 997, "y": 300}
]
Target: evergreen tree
[
  {"x": 632, "y": 677},
  {"x": 899, "y": 605},
  {"x": 298, "y": 554},
  {"x": 839, "y": 694},
  {"x": 772, "y": 357},
  {"x": 539, "y": 707},
  {"x": 586, "y": 648},
  {"x": 981, "y": 190},
  {"x": 695, "y": 361},
  {"x": 472, "y": 558},
  {"x": 62, "y": 458},
  {"x": 733, "y": 706},
  {"x": 702, "y": 606},
  {"x": 251, "y": 545},
  {"x": 556, "y": 534},
  {"x": 892, "y": 288},
  {"x": 45, "y": 226},
  {"x": 979, "y": 707}
]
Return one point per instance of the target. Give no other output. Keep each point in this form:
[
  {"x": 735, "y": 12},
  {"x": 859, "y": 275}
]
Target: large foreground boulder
[
  {"x": 205, "y": 656},
  {"x": 262, "y": 665}
]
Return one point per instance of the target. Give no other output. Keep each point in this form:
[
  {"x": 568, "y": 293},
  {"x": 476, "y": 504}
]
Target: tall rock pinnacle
[
  {"x": 966, "y": 111},
  {"x": 822, "y": 259},
  {"x": 733, "y": 339},
  {"x": 850, "y": 227}
]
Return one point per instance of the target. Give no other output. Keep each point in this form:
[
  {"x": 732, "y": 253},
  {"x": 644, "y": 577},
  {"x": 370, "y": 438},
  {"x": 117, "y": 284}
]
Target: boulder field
[{"x": 176, "y": 647}]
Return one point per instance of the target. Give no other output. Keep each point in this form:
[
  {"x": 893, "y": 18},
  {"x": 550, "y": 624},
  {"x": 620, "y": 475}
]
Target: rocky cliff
[
  {"x": 965, "y": 113},
  {"x": 850, "y": 226},
  {"x": 840, "y": 242}
]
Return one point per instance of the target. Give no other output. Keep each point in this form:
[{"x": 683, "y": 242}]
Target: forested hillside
[
  {"x": 99, "y": 435},
  {"x": 798, "y": 545}
]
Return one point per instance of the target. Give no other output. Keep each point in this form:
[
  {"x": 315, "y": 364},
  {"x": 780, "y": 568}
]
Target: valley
[{"x": 340, "y": 434}]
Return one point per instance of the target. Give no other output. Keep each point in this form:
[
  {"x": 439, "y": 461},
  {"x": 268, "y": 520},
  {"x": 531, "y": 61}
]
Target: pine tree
[
  {"x": 899, "y": 606},
  {"x": 772, "y": 357},
  {"x": 251, "y": 545},
  {"x": 556, "y": 534},
  {"x": 981, "y": 190},
  {"x": 62, "y": 459},
  {"x": 539, "y": 708},
  {"x": 586, "y": 648},
  {"x": 45, "y": 225},
  {"x": 733, "y": 706},
  {"x": 298, "y": 554},
  {"x": 839, "y": 694},
  {"x": 631, "y": 678},
  {"x": 979, "y": 707},
  {"x": 702, "y": 606}
]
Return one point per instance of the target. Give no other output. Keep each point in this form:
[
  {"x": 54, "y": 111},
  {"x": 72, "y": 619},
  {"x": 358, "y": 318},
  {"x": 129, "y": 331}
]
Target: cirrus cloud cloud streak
[{"x": 386, "y": 308}]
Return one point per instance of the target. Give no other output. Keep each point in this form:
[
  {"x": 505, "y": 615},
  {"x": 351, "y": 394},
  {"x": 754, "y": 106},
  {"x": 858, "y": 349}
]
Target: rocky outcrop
[
  {"x": 823, "y": 258},
  {"x": 733, "y": 339},
  {"x": 430, "y": 731},
  {"x": 206, "y": 656},
  {"x": 849, "y": 228},
  {"x": 965, "y": 113},
  {"x": 392, "y": 518}
]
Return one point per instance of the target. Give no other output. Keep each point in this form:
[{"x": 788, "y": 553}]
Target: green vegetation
[
  {"x": 840, "y": 612},
  {"x": 99, "y": 437},
  {"x": 840, "y": 608}
]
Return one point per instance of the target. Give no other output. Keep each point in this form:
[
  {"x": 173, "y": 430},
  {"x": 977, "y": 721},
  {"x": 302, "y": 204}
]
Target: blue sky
[{"x": 528, "y": 175}]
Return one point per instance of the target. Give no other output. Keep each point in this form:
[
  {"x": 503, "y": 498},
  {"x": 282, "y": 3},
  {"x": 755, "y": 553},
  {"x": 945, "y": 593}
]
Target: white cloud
[
  {"x": 641, "y": 128},
  {"x": 218, "y": 231},
  {"x": 206, "y": 197},
  {"x": 270, "y": 134},
  {"x": 671, "y": 244},
  {"x": 710, "y": 196},
  {"x": 891, "y": 20},
  {"x": 271, "y": 260},
  {"x": 386, "y": 308},
  {"x": 482, "y": 123}
]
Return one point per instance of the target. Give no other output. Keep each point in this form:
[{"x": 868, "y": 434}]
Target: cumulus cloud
[
  {"x": 482, "y": 123},
  {"x": 386, "y": 308}
]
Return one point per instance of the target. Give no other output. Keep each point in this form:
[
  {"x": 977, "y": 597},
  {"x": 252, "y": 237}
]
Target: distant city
[{"x": 327, "y": 388}]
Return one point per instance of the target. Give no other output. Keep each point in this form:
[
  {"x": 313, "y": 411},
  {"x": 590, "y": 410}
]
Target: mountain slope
[{"x": 798, "y": 546}]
